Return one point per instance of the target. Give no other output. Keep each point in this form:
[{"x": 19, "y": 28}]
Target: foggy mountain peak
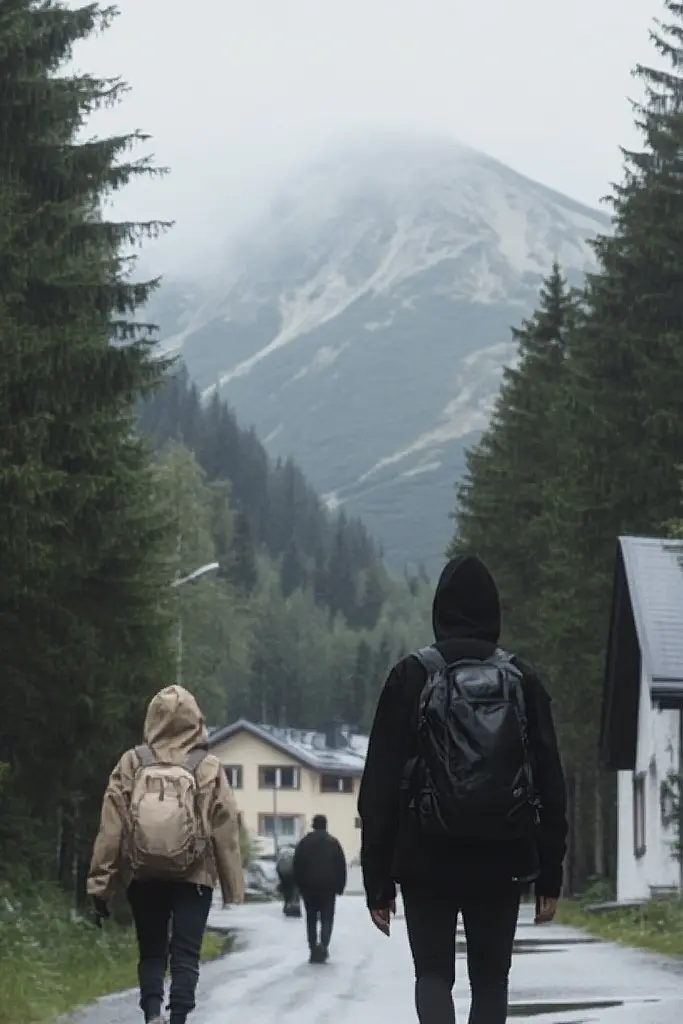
[{"x": 363, "y": 322}]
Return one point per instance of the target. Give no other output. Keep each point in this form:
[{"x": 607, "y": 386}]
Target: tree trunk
[
  {"x": 66, "y": 851},
  {"x": 569, "y": 859},
  {"x": 599, "y": 866},
  {"x": 582, "y": 835}
]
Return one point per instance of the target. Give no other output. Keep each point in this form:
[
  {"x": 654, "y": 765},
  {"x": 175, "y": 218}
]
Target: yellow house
[{"x": 283, "y": 777}]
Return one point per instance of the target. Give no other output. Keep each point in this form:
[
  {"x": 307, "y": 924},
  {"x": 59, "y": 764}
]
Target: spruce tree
[
  {"x": 243, "y": 570},
  {"x": 374, "y": 595},
  {"x": 501, "y": 500},
  {"x": 82, "y": 548},
  {"x": 340, "y": 575},
  {"x": 321, "y": 579},
  {"x": 292, "y": 569}
]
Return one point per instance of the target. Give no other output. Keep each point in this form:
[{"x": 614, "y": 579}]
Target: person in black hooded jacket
[
  {"x": 440, "y": 879},
  {"x": 320, "y": 875}
]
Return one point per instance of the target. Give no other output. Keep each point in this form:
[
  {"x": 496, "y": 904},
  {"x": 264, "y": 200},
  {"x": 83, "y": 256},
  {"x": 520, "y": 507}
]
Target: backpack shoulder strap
[
  {"x": 146, "y": 755},
  {"x": 431, "y": 660},
  {"x": 194, "y": 759}
]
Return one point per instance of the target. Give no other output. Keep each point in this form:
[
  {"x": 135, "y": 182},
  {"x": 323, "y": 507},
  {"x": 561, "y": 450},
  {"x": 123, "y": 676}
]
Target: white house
[{"x": 642, "y": 714}]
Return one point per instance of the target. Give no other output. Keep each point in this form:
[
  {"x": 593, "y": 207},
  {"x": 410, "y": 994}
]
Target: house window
[
  {"x": 276, "y": 777},
  {"x": 357, "y": 823},
  {"x": 284, "y": 826},
  {"x": 336, "y": 784},
  {"x": 639, "y": 840},
  {"x": 233, "y": 773}
]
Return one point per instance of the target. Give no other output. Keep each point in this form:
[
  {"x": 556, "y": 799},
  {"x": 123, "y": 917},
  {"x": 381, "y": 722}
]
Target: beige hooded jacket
[{"x": 173, "y": 727}]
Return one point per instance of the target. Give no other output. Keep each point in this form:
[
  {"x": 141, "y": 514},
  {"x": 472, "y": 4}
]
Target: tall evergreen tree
[
  {"x": 83, "y": 632},
  {"x": 292, "y": 569},
  {"x": 243, "y": 567},
  {"x": 373, "y": 598},
  {"x": 321, "y": 581},
  {"x": 502, "y": 498},
  {"x": 340, "y": 575}
]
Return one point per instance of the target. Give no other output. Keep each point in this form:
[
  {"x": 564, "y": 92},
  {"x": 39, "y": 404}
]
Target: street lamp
[
  {"x": 276, "y": 838},
  {"x": 191, "y": 577}
]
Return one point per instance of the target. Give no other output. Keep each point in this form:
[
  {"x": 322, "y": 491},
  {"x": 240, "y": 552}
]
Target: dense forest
[
  {"x": 301, "y": 620},
  {"x": 586, "y": 443}
]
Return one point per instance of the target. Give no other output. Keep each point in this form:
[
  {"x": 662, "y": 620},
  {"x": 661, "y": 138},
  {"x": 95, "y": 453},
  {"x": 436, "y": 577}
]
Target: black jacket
[
  {"x": 466, "y": 620},
  {"x": 320, "y": 864}
]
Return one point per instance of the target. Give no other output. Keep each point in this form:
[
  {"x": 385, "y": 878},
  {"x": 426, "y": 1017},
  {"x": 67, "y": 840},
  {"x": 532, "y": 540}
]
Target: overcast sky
[{"x": 236, "y": 92}]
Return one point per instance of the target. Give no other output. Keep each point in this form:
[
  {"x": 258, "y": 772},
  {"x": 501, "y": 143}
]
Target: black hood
[{"x": 466, "y": 602}]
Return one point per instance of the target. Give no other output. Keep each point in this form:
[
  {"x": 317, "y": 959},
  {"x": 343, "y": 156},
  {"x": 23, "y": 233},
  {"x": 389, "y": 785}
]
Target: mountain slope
[{"x": 363, "y": 323}]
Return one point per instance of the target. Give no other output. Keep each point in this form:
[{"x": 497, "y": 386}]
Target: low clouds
[{"x": 236, "y": 94}]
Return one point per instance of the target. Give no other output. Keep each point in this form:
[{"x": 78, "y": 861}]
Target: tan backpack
[{"x": 167, "y": 837}]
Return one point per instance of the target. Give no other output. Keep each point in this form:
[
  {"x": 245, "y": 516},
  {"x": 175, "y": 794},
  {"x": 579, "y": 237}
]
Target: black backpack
[{"x": 472, "y": 778}]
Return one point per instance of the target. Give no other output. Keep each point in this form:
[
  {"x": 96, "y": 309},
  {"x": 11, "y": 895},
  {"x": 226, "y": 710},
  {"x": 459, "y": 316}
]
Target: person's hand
[
  {"x": 101, "y": 910},
  {"x": 546, "y": 908},
  {"x": 382, "y": 918}
]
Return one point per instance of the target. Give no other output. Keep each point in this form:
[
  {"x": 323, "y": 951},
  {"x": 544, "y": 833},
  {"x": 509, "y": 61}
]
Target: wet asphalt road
[{"x": 558, "y": 977}]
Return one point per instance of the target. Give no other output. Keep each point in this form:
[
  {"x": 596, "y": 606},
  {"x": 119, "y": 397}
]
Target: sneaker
[{"x": 317, "y": 955}]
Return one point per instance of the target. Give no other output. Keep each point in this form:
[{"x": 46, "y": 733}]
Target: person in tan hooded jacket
[{"x": 174, "y": 732}]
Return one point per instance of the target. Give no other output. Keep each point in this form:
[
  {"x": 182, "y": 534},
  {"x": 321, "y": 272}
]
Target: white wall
[{"x": 656, "y": 755}]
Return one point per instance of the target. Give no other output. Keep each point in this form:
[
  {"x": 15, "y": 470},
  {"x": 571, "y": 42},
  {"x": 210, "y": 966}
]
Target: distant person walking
[
  {"x": 320, "y": 876},
  {"x": 168, "y": 833},
  {"x": 462, "y": 801},
  {"x": 284, "y": 868}
]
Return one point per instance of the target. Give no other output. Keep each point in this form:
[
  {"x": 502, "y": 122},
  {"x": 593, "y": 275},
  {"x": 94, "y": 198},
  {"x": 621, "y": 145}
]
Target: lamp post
[
  {"x": 276, "y": 838},
  {"x": 179, "y": 581}
]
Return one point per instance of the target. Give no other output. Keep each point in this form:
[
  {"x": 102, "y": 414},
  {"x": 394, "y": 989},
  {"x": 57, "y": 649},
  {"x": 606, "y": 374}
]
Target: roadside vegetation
[
  {"x": 53, "y": 960},
  {"x": 657, "y": 926}
]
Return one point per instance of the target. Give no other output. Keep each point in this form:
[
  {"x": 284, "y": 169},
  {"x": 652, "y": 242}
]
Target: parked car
[{"x": 260, "y": 880}]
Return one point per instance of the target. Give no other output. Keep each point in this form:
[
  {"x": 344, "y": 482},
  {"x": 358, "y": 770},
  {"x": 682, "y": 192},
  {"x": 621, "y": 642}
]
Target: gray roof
[
  {"x": 305, "y": 746},
  {"x": 654, "y": 575},
  {"x": 645, "y": 637}
]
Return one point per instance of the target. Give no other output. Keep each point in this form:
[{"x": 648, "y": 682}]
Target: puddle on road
[
  {"x": 536, "y": 945},
  {"x": 537, "y": 1009},
  {"x": 571, "y": 940},
  {"x": 546, "y": 945}
]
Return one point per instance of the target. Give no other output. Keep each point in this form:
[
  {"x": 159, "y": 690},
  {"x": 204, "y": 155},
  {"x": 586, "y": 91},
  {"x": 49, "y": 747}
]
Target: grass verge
[
  {"x": 51, "y": 963},
  {"x": 658, "y": 926}
]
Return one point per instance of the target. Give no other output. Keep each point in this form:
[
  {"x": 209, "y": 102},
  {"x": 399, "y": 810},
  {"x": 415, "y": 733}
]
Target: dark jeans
[
  {"x": 287, "y": 889},
  {"x": 319, "y": 907},
  {"x": 490, "y": 919},
  {"x": 170, "y": 918}
]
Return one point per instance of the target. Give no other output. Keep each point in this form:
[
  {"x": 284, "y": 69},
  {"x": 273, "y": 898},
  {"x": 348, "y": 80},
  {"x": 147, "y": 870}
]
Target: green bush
[{"x": 53, "y": 960}]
